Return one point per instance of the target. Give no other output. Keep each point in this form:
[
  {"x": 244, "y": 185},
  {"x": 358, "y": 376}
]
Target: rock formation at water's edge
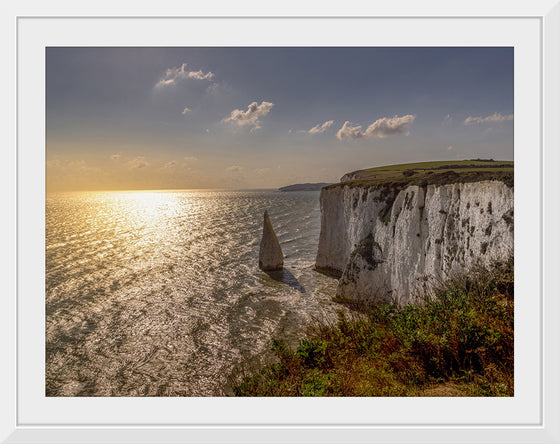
[{"x": 270, "y": 254}]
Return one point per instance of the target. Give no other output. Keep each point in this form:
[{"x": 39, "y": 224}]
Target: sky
[{"x": 242, "y": 118}]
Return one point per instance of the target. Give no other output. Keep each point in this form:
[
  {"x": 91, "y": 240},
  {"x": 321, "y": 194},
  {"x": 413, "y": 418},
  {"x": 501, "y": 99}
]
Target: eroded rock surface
[
  {"x": 390, "y": 244},
  {"x": 270, "y": 254}
]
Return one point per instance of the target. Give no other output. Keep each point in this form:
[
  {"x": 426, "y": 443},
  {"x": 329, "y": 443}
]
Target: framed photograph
[{"x": 145, "y": 285}]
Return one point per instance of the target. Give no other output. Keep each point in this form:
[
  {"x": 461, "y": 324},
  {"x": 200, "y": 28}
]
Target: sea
[{"x": 158, "y": 293}]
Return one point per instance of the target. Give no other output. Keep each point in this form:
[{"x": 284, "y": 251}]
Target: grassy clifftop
[{"x": 425, "y": 173}]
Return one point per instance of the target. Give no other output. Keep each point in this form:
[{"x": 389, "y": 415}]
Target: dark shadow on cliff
[{"x": 286, "y": 277}]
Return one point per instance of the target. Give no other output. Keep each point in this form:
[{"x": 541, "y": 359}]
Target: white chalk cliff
[
  {"x": 391, "y": 244},
  {"x": 270, "y": 254}
]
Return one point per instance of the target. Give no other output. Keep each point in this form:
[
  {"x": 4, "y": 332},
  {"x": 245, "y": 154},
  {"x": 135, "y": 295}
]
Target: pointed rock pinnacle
[{"x": 270, "y": 255}]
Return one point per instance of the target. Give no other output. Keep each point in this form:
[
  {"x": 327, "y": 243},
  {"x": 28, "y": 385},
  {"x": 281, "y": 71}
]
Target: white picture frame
[{"x": 26, "y": 415}]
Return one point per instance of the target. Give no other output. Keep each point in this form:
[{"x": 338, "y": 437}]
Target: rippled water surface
[{"x": 160, "y": 294}]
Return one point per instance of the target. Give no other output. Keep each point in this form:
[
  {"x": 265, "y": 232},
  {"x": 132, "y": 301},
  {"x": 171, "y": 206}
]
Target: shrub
[{"x": 460, "y": 337}]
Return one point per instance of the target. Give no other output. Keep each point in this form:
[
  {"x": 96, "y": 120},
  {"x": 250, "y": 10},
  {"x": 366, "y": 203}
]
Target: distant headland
[{"x": 304, "y": 187}]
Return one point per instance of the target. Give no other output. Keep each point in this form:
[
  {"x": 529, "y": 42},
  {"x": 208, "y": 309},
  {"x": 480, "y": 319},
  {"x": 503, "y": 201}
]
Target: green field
[{"x": 436, "y": 172}]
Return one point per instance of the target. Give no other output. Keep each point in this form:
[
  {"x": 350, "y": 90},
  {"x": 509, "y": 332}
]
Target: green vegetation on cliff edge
[
  {"x": 426, "y": 173},
  {"x": 457, "y": 342}
]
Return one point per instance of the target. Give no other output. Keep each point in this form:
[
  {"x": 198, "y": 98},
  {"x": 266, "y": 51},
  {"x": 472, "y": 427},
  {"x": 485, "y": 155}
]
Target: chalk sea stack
[{"x": 270, "y": 254}]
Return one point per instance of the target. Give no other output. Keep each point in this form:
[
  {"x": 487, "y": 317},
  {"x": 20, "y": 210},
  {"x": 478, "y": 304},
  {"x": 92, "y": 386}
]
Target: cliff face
[{"x": 390, "y": 244}]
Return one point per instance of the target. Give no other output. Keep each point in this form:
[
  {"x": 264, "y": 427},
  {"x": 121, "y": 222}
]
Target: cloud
[
  {"x": 138, "y": 162},
  {"x": 54, "y": 163},
  {"x": 72, "y": 167},
  {"x": 450, "y": 148},
  {"x": 496, "y": 117},
  {"x": 199, "y": 75},
  {"x": 384, "y": 127},
  {"x": 69, "y": 164},
  {"x": 185, "y": 111},
  {"x": 217, "y": 88},
  {"x": 234, "y": 169},
  {"x": 352, "y": 132},
  {"x": 116, "y": 157},
  {"x": 174, "y": 74},
  {"x": 318, "y": 129},
  {"x": 170, "y": 164},
  {"x": 251, "y": 116},
  {"x": 190, "y": 158},
  {"x": 262, "y": 171}
]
